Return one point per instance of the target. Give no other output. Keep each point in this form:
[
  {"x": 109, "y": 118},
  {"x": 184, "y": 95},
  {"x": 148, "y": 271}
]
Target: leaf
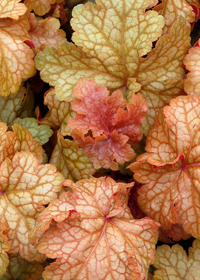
[
  {"x": 60, "y": 112},
  {"x": 101, "y": 230},
  {"x": 41, "y": 133},
  {"x": 18, "y": 140},
  {"x": 25, "y": 187},
  {"x": 12, "y": 9},
  {"x": 70, "y": 160},
  {"x": 114, "y": 127},
  {"x": 173, "y": 263},
  {"x": 45, "y": 32},
  {"x": 16, "y": 105},
  {"x": 4, "y": 247},
  {"x": 21, "y": 269},
  {"x": 17, "y": 56},
  {"x": 172, "y": 10},
  {"x": 170, "y": 169},
  {"x": 21, "y": 140},
  {"x": 177, "y": 233},
  {"x": 115, "y": 59},
  {"x": 191, "y": 61},
  {"x": 40, "y": 7}
]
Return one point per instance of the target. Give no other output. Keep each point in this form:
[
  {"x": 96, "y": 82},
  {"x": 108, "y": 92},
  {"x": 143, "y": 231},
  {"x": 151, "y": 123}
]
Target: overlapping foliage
[{"x": 75, "y": 103}]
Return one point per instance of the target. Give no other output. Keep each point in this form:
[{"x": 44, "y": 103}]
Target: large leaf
[
  {"x": 25, "y": 186},
  {"x": 99, "y": 239},
  {"x": 173, "y": 263},
  {"x": 170, "y": 170},
  {"x": 113, "y": 127},
  {"x": 115, "y": 35}
]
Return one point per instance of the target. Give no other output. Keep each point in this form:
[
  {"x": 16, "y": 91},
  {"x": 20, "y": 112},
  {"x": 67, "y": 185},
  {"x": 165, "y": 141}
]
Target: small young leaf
[{"x": 113, "y": 126}]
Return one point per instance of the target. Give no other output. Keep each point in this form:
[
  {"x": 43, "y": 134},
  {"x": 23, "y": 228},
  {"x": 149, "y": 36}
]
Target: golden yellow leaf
[
  {"x": 173, "y": 263},
  {"x": 71, "y": 161},
  {"x": 113, "y": 38},
  {"x": 60, "y": 112},
  {"x": 21, "y": 269},
  {"x": 4, "y": 247},
  {"x": 17, "y": 56}
]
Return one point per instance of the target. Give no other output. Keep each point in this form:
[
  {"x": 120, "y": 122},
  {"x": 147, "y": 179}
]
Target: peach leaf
[
  {"x": 25, "y": 187},
  {"x": 172, "y": 10},
  {"x": 12, "y": 9},
  {"x": 99, "y": 230},
  {"x": 45, "y": 32},
  {"x": 170, "y": 169},
  {"x": 192, "y": 63}
]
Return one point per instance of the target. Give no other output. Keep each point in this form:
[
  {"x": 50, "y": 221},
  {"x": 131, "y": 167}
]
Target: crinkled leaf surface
[
  {"x": 4, "y": 247},
  {"x": 192, "y": 63},
  {"x": 25, "y": 186},
  {"x": 115, "y": 35},
  {"x": 17, "y": 57},
  {"x": 16, "y": 105},
  {"x": 71, "y": 160},
  {"x": 40, "y": 7},
  {"x": 171, "y": 10},
  {"x": 173, "y": 263},
  {"x": 114, "y": 127},
  {"x": 101, "y": 232},
  {"x": 45, "y": 32},
  {"x": 21, "y": 269},
  {"x": 60, "y": 112},
  {"x": 11, "y": 9},
  {"x": 41, "y": 133},
  {"x": 170, "y": 170}
]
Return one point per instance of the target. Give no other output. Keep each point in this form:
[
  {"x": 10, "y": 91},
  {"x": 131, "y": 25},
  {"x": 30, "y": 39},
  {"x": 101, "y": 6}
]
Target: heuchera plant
[{"x": 99, "y": 139}]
